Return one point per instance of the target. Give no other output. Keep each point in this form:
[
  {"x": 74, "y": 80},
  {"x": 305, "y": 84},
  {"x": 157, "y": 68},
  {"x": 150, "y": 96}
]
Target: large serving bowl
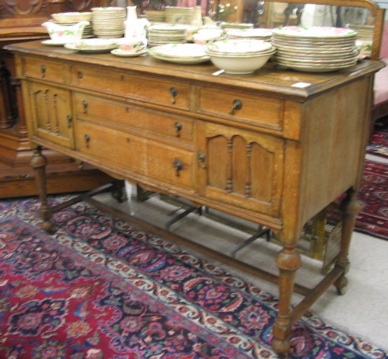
[
  {"x": 239, "y": 46},
  {"x": 239, "y": 65},
  {"x": 240, "y": 56},
  {"x": 71, "y": 17}
]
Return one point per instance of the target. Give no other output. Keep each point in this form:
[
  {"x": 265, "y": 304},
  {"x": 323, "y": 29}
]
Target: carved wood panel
[
  {"x": 35, "y": 8},
  {"x": 246, "y": 168},
  {"x": 21, "y": 8}
]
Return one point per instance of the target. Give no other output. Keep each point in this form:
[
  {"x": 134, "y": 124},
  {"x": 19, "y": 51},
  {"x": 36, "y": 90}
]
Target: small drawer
[
  {"x": 45, "y": 70},
  {"x": 171, "y": 93},
  {"x": 170, "y": 165},
  {"x": 248, "y": 108},
  {"x": 113, "y": 112},
  {"x": 111, "y": 147}
]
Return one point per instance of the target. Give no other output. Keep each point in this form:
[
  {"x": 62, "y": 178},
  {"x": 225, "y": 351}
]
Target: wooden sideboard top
[{"x": 268, "y": 79}]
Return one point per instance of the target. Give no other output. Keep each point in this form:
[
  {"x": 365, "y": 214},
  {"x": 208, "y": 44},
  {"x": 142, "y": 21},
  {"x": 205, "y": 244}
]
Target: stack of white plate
[
  {"x": 259, "y": 34},
  {"x": 180, "y": 53},
  {"x": 240, "y": 56},
  {"x": 108, "y": 22},
  {"x": 364, "y": 36},
  {"x": 179, "y": 15},
  {"x": 160, "y": 34},
  {"x": 315, "y": 49}
]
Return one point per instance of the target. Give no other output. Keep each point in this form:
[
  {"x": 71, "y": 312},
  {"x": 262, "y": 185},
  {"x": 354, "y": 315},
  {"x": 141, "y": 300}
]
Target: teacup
[{"x": 132, "y": 45}]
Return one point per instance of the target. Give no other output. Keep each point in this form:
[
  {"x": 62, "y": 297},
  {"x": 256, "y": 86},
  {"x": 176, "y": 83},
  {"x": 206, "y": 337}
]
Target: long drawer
[
  {"x": 170, "y": 93},
  {"x": 153, "y": 122},
  {"x": 141, "y": 156}
]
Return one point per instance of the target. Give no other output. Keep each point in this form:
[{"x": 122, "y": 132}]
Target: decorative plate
[{"x": 119, "y": 52}]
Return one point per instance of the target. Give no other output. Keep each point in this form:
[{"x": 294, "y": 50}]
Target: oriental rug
[
  {"x": 101, "y": 288},
  {"x": 373, "y": 219},
  {"x": 378, "y": 144}
]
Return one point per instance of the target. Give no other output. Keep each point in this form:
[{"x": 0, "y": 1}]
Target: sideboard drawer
[
  {"x": 154, "y": 122},
  {"x": 45, "y": 70},
  {"x": 256, "y": 110},
  {"x": 171, "y": 93},
  {"x": 114, "y": 148},
  {"x": 158, "y": 161},
  {"x": 170, "y": 164}
]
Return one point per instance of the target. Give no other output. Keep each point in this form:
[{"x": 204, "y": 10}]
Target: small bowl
[
  {"x": 240, "y": 65},
  {"x": 71, "y": 17}
]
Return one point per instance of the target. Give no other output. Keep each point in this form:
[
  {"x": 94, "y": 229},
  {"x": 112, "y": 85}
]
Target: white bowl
[
  {"x": 71, "y": 17},
  {"x": 240, "y": 65},
  {"x": 239, "y": 46}
]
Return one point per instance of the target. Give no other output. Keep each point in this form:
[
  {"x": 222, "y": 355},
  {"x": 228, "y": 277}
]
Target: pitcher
[{"x": 135, "y": 27}]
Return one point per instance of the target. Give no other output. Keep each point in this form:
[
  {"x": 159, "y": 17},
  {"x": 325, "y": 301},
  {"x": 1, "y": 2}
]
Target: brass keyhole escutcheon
[
  {"x": 237, "y": 105},
  {"x": 173, "y": 94},
  {"x": 80, "y": 74}
]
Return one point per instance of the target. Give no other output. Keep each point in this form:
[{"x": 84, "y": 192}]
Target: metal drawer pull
[
  {"x": 178, "y": 128},
  {"x": 43, "y": 70},
  {"x": 69, "y": 119},
  {"x": 87, "y": 140},
  {"x": 173, "y": 93},
  {"x": 178, "y": 165},
  {"x": 237, "y": 105},
  {"x": 85, "y": 106},
  {"x": 80, "y": 74}
]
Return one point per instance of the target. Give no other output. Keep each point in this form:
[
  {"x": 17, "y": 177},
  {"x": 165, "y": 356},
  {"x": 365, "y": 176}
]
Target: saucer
[
  {"x": 52, "y": 42},
  {"x": 122, "y": 53}
]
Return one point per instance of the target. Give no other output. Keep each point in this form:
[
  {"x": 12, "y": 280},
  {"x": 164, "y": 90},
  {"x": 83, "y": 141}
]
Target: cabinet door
[
  {"x": 51, "y": 114},
  {"x": 240, "y": 168}
]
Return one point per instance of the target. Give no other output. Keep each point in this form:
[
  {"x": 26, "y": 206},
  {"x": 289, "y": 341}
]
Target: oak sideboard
[{"x": 275, "y": 147}]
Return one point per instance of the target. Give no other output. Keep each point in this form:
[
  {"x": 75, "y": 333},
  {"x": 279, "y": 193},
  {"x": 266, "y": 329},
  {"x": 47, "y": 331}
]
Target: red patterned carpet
[
  {"x": 373, "y": 218},
  {"x": 378, "y": 144},
  {"x": 101, "y": 288}
]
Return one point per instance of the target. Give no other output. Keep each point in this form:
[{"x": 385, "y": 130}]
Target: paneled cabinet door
[
  {"x": 51, "y": 113},
  {"x": 241, "y": 167}
]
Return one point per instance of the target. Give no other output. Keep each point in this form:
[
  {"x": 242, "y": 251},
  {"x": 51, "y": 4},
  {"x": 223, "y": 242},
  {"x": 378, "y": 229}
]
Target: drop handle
[
  {"x": 43, "y": 70},
  {"x": 173, "y": 94},
  {"x": 178, "y": 128},
  {"x": 69, "y": 119},
  {"x": 237, "y": 105},
  {"x": 178, "y": 165},
  {"x": 87, "y": 139},
  {"x": 85, "y": 106}
]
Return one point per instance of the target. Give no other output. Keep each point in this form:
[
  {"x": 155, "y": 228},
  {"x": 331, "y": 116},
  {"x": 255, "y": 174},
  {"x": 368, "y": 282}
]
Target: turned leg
[
  {"x": 38, "y": 163},
  {"x": 350, "y": 207},
  {"x": 288, "y": 262}
]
